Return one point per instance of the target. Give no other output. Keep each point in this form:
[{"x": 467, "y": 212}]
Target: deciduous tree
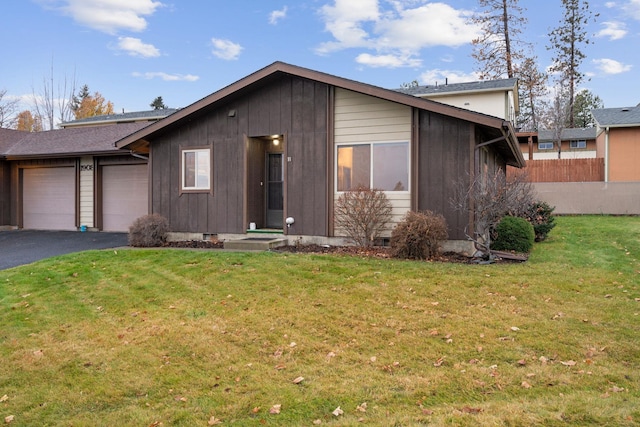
[
  {"x": 567, "y": 42},
  {"x": 87, "y": 105},
  {"x": 54, "y": 100},
  {"x": 8, "y": 108},
  {"x": 532, "y": 84},
  {"x": 28, "y": 122}
]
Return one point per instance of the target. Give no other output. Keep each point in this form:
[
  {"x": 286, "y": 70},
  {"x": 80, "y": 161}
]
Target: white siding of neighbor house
[
  {"x": 86, "y": 191},
  {"x": 553, "y": 155},
  {"x": 363, "y": 118},
  {"x": 497, "y": 104}
]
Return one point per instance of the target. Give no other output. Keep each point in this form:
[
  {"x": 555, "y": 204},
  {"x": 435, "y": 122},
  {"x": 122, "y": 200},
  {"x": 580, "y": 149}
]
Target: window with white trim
[
  {"x": 196, "y": 169},
  {"x": 577, "y": 144},
  {"x": 545, "y": 145},
  {"x": 380, "y": 165}
]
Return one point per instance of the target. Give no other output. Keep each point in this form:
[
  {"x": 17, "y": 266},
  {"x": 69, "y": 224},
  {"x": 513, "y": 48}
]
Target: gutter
[{"x": 606, "y": 154}]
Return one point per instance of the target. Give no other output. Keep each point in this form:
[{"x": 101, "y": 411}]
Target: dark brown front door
[{"x": 274, "y": 190}]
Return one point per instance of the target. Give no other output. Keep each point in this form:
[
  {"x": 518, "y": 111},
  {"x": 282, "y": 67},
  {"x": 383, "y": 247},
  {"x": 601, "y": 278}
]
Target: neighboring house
[
  {"x": 110, "y": 119},
  {"x": 576, "y": 143},
  {"x": 618, "y": 142},
  {"x": 497, "y": 98},
  {"x": 286, "y": 142},
  {"x": 67, "y": 178}
]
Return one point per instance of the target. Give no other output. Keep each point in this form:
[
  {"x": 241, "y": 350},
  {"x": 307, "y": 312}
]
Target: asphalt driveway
[{"x": 19, "y": 247}]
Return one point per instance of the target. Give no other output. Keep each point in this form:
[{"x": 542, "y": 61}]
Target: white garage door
[
  {"x": 49, "y": 198},
  {"x": 124, "y": 195}
]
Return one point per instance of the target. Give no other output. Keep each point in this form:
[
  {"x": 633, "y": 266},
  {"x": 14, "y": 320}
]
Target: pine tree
[
  {"x": 567, "y": 42},
  {"x": 158, "y": 104},
  {"x": 584, "y": 102}
]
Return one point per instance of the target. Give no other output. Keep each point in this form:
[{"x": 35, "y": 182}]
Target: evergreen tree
[
  {"x": 567, "y": 42},
  {"x": 584, "y": 102},
  {"x": 158, "y": 104}
]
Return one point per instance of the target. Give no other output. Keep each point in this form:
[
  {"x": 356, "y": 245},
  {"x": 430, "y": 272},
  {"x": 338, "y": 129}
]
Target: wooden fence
[{"x": 563, "y": 170}]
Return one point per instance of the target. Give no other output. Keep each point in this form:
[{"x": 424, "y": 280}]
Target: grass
[{"x": 178, "y": 337}]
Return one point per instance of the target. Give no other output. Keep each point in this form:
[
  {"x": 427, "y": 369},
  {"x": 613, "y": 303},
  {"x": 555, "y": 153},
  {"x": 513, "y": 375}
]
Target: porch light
[{"x": 276, "y": 142}]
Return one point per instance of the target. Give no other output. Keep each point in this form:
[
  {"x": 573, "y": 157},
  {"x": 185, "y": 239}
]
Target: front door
[{"x": 275, "y": 183}]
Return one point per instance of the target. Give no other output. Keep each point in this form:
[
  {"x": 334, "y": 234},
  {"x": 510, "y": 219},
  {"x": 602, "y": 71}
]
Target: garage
[
  {"x": 49, "y": 198},
  {"x": 124, "y": 195}
]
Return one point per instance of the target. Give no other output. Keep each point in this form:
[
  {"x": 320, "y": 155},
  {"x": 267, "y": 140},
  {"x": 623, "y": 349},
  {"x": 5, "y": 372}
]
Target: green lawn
[{"x": 187, "y": 338}]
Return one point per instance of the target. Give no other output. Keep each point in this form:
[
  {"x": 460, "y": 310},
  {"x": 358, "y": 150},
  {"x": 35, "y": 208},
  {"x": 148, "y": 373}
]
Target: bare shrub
[
  {"x": 363, "y": 214},
  {"x": 489, "y": 198},
  {"x": 149, "y": 231},
  {"x": 419, "y": 235}
]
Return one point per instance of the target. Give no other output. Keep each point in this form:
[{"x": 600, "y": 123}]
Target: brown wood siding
[
  {"x": 290, "y": 106},
  {"x": 5, "y": 193},
  {"x": 443, "y": 158},
  {"x": 562, "y": 170}
]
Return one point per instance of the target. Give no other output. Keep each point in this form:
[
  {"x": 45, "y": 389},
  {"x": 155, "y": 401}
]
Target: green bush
[
  {"x": 418, "y": 235},
  {"x": 540, "y": 215},
  {"x": 513, "y": 234},
  {"x": 149, "y": 231}
]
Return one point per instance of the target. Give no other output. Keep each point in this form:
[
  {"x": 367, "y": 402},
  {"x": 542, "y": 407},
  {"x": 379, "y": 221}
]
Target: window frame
[
  {"x": 545, "y": 146},
  {"x": 208, "y": 150},
  {"x": 372, "y": 144},
  {"x": 578, "y": 143}
]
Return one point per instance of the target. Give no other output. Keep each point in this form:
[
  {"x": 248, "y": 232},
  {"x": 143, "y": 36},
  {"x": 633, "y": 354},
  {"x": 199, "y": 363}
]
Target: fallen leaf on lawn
[
  {"x": 317, "y": 422},
  {"x": 543, "y": 359},
  {"x": 292, "y": 345},
  {"x": 470, "y": 410},
  {"x": 337, "y": 412},
  {"x": 607, "y": 296},
  {"x": 373, "y": 359},
  {"x": 9, "y": 419},
  {"x": 427, "y": 411},
  {"x": 515, "y": 328},
  {"x": 526, "y": 384},
  {"x": 522, "y": 362},
  {"x": 4, "y": 398},
  {"x": 213, "y": 421},
  {"x": 256, "y": 410},
  {"x": 38, "y": 353},
  {"x": 569, "y": 363},
  {"x": 473, "y": 361},
  {"x": 433, "y": 332},
  {"x": 331, "y": 354},
  {"x": 362, "y": 407},
  {"x": 438, "y": 362},
  {"x": 616, "y": 389},
  {"x": 275, "y": 409},
  {"x": 280, "y": 367},
  {"x": 298, "y": 380},
  {"x": 180, "y": 399}
]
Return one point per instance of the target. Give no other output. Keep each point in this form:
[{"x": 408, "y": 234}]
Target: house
[
  {"x": 110, "y": 119},
  {"x": 618, "y": 142},
  {"x": 576, "y": 143},
  {"x": 68, "y": 178},
  {"x": 285, "y": 142},
  {"x": 497, "y": 98}
]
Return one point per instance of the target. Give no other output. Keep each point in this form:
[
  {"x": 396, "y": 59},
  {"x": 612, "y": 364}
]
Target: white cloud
[
  {"x": 387, "y": 61},
  {"x": 397, "y": 32},
  {"x": 135, "y": 47},
  {"x": 167, "y": 77},
  {"x": 610, "y": 4},
  {"x": 110, "y": 16},
  {"x": 226, "y": 49},
  {"x": 633, "y": 9},
  {"x": 613, "y": 30},
  {"x": 431, "y": 77},
  {"x": 611, "y": 66},
  {"x": 277, "y": 15}
]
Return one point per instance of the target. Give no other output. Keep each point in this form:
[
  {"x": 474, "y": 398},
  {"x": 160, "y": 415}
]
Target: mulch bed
[{"x": 372, "y": 252}]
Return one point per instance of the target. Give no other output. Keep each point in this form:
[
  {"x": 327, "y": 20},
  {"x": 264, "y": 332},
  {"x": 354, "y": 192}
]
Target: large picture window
[
  {"x": 384, "y": 166},
  {"x": 196, "y": 169}
]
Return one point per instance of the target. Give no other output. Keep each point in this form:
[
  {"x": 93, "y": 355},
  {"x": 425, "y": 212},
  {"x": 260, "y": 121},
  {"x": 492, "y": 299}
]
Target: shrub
[
  {"x": 149, "y": 231},
  {"x": 418, "y": 235},
  {"x": 513, "y": 234},
  {"x": 362, "y": 214},
  {"x": 539, "y": 214}
]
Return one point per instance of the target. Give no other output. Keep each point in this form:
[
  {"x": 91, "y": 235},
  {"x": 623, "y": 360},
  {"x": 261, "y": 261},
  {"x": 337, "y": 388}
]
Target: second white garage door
[
  {"x": 124, "y": 195},
  {"x": 49, "y": 198}
]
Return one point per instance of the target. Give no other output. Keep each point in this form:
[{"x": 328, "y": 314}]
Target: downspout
[
  {"x": 139, "y": 156},
  {"x": 606, "y": 154}
]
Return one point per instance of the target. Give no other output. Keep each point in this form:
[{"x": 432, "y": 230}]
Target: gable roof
[
  {"x": 500, "y": 85},
  {"x": 568, "y": 134},
  {"x": 92, "y": 140},
  {"x": 134, "y": 116},
  {"x": 9, "y": 138},
  {"x": 617, "y": 117},
  {"x": 510, "y": 146}
]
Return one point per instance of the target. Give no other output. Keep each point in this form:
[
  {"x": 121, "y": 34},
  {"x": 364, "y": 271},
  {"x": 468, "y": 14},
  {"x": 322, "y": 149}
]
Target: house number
[{"x": 86, "y": 167}]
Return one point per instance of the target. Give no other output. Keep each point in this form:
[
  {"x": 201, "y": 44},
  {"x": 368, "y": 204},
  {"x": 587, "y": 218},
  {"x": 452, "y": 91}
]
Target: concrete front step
[{"x": 254, "y": 243}]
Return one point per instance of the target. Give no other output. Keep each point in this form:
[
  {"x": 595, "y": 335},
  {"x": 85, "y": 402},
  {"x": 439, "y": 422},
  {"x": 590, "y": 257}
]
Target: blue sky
[{"x": 132, "y": 51}]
